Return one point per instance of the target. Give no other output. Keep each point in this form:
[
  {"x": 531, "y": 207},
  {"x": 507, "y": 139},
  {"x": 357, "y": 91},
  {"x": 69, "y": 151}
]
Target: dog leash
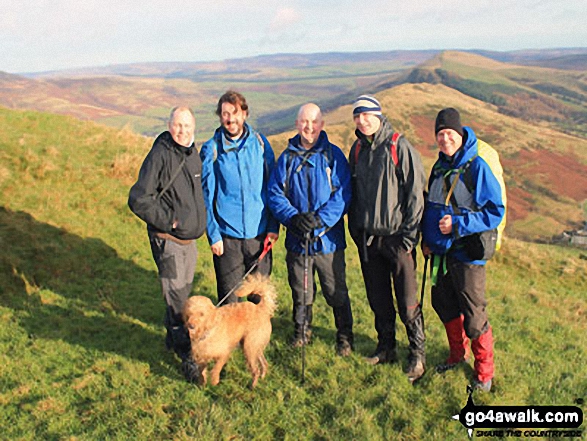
[{"x": 266, "y": 248}]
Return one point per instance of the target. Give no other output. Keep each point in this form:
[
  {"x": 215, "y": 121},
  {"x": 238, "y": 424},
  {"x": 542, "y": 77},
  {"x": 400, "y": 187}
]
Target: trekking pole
[
  {"x": 424, "y": 281},
  {"x": 266, "y": 248},
  {"x": 306, "y": 245}
]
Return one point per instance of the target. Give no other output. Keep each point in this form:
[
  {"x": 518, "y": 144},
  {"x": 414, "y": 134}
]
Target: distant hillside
[
  {"x": 568, "y": 59},
  {"x": 557, "y": 98},
  {"x": 276, "y": 66},
  {"x": 139, "y": 96}
]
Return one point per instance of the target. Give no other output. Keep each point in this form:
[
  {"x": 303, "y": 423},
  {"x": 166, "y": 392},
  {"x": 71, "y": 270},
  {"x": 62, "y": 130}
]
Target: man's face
[
  {"x": 233, "y": 119},
  {"x": 449, "y": 141},
  {"x": 182, "y": 127},
  {"x": 367, "y": 123},
  {"x": 309, "y": 124}
]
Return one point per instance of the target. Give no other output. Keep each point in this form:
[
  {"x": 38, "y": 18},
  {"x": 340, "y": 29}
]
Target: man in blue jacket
[
  {"x": 168, "y": 197},
  {"x": 464, "y": 199},
  {"x": 309, "y": 193},
  {"x": 236, "y": 165}
]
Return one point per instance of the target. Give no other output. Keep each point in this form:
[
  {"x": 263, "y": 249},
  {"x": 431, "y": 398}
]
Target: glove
[
  {"x": 302, "y": 223},
  {"x": 316, "y": 221}
]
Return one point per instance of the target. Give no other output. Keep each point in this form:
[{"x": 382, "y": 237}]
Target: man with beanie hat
[
  {"x": 464, "y": 199},
  {"x": 387, "y": 201}
]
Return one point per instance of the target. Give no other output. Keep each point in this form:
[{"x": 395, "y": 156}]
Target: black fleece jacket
[{"x": 183, "y": 202}]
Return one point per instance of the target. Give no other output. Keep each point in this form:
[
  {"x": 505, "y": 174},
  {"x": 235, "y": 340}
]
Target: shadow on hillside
[{"x": 78, "y": 290}]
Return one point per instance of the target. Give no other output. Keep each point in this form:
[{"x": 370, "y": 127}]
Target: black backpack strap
[{"x": 175, "y": 175}]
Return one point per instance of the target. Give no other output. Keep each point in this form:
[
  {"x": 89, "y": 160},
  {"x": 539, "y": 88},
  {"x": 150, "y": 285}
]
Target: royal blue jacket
[
  {"x": 235, "y": 175},
  {"x": 479, "y": 208},
  {"x": 321, "y": 185}
]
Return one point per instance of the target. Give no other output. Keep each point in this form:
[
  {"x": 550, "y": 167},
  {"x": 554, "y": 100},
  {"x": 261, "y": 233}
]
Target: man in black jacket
[
  {"x": 168, "y": 197},
  {"x": 388, "y": 180}
]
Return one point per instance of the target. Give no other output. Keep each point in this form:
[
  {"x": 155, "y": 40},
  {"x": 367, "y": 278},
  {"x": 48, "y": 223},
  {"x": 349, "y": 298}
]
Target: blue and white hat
[{"x": 366, "y": 104}]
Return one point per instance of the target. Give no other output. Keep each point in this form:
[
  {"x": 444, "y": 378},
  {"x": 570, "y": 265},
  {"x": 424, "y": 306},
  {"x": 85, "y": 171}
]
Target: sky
[{"x": 44, "y": 35}]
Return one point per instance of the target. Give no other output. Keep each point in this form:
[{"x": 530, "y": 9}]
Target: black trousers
[
  {"x": 239, "y": 256},
  {"x": 461, "y": 290},
  {"x": 384, "y": 260},
  {"x": 331, "y": 269}
]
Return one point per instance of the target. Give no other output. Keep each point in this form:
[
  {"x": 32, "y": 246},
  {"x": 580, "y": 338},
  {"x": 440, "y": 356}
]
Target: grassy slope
[{"x": 81, "y": 340}]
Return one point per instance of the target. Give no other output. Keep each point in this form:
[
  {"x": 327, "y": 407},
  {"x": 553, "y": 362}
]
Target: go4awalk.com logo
[{"x": 520, "y": 421}]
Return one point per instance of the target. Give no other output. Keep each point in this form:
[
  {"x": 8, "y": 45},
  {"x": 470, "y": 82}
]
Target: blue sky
[{"x": 40, "y": 35}]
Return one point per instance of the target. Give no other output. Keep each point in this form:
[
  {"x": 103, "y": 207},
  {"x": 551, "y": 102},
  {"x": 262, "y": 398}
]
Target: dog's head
[{"x": 198, "y": 316}]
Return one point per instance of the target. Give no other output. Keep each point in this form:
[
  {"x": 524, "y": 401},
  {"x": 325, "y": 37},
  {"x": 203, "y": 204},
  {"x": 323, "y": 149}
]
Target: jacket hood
[
  {"x": 167, "y": 140},
  {"x": 295, "y": 143},
  {"x": 467, "y": 151}
]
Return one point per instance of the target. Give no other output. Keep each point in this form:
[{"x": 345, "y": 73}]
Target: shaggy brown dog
[{"x": 216, "y": 332}]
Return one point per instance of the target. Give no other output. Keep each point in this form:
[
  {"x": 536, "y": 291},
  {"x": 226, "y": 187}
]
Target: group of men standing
[{"x": 243, "y": 194}]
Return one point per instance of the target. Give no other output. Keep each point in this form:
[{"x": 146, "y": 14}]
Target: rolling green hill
[
  {"x": 81, "y": 335},
  {"x": 556, "y": 98}
]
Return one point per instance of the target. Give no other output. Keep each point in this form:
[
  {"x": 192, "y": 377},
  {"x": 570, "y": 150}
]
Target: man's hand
[
  {"x": 273, "y": 237},
  {"x": 217, "y": 248},
  {"x": 445, "y": 224},
  {"x": 302, "y": 223},
  {"x": 426, "y": 251}
]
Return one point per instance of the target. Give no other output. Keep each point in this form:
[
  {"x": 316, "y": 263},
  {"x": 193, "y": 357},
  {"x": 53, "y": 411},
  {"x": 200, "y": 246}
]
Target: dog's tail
[{"x": 262, "y": 286}]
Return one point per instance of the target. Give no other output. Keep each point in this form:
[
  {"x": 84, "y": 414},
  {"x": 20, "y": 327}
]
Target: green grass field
[{"x": 81, "y": 335}]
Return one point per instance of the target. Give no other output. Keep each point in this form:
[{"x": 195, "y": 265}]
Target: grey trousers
[{"x": 176, "y": 265}]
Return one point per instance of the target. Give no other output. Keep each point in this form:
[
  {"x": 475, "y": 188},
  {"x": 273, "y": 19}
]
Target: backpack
[
  {"x": 480, "y": 246},
  {"x": 392, "y": 151},
  {"x": 306, "y": 159}
]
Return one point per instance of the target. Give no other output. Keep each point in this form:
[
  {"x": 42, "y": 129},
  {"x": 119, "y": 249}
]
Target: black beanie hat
[{"x": 448, "y": 118}]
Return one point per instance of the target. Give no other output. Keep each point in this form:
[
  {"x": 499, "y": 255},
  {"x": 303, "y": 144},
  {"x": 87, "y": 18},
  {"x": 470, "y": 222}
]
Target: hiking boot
[
  {"x": 416, "y": 369},
  {"x": 344, "y": 348},
  {"x": 382, "y": 356},
  {"x": 190, "y": 370},
  {"x": 300, "y": 339},
  {"x": 481, "y": 386}
]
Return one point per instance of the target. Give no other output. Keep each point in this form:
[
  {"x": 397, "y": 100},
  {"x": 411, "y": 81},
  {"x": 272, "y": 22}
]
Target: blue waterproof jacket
[
  {"x": 321, "y": 185},
  {"x": 235, "y": 175},
  {"x": 479, "y": 204}
]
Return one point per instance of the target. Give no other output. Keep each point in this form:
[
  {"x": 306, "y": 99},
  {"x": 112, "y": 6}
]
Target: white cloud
[{"x": 284, "y": 19}]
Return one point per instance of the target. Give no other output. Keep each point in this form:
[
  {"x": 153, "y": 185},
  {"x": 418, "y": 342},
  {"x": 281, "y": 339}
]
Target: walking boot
[
  {"x": 458, "y": 344},
  {"x": 183, "y": 348},
  {"x": 386, "y": 346},
  {"x": 343, "y": 320},
  {"x": 416, "y": 339},
  {"x": 383, "y": 354},
  {"x": 484, "y": 367}
]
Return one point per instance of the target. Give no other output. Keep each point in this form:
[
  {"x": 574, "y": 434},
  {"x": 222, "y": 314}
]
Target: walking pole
[
  {"x": 306, "y": 242},
  {"x": 423, "y": 281},
  {"x": 266, "y": 248}
]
